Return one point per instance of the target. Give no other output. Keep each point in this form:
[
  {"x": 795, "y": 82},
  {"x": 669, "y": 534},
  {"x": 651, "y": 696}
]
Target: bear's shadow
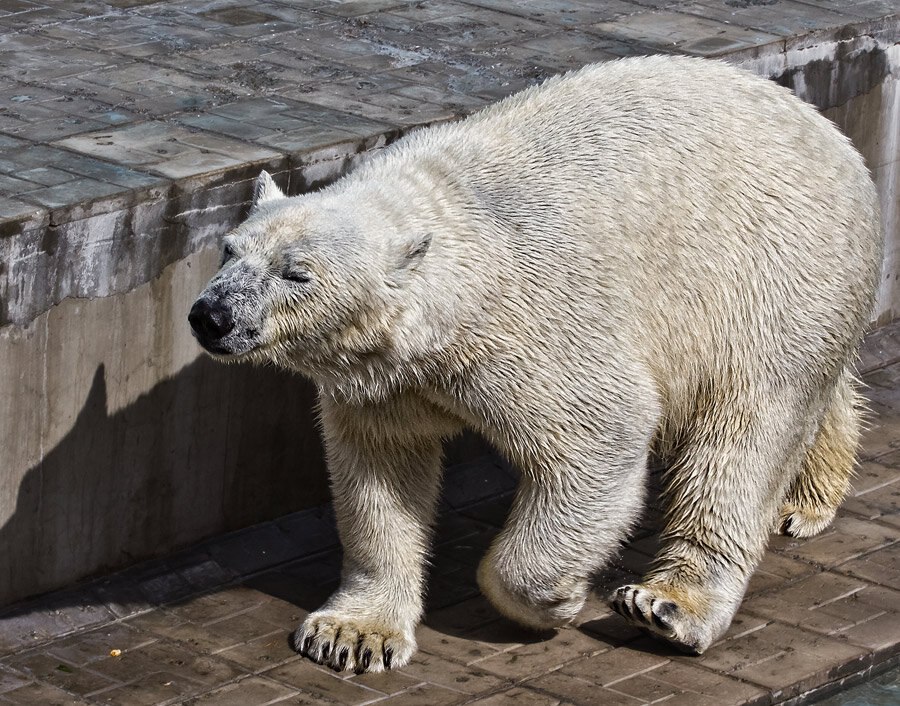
[
  {"x": 463, "y": 533},
  {"x": 104, "y": 498}
]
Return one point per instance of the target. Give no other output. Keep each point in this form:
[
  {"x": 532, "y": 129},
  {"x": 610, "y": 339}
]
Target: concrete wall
[{"x": 120, "y": 441}]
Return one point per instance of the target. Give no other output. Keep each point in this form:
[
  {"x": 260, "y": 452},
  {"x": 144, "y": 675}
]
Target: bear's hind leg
[
  {"x": 824, "y": 477},
  {"x": 721, "y": 500}
]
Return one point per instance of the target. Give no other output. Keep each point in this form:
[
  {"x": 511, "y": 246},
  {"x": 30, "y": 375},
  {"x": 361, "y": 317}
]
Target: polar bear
[{"x": 654, "y": 254}]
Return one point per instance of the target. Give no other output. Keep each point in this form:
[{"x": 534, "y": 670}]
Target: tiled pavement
[{"x": 211, "y": 625}]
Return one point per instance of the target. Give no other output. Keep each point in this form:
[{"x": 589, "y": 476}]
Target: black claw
[
  {"x": 326, "y": 650},
  {"x": 366, "y": 658},
  {"x": 342, "y": 659},
  {"x": 388, "y": 656},
  {"x": 307, "y": 643}
]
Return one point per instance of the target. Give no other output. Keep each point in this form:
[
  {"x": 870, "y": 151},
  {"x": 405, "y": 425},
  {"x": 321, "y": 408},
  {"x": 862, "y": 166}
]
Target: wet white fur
[{"x": 656, "y": 253}]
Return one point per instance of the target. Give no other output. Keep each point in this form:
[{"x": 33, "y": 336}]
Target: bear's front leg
[{"x": 384, "y": 468}]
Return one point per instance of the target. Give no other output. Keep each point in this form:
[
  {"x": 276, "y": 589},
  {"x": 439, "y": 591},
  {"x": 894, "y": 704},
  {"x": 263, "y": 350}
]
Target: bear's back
[{"x": 700, "y": 208}]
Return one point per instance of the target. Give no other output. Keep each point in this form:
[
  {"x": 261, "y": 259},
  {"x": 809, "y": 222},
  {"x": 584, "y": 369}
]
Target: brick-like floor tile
[
  {"x": 41, "y": 695},
  {"x": 165, "y": 149},
  {"x": 278, "y": 613},
  {"x": 389, "y": 682},
  {"x": 171, "y": 657},
  {"x": 428, "y": 694},
  {"x": 155, "y": 621},
  {"x": 881, "y": 436},
  {"x": 870, "y": 617},
  {"x": 785, "y": 19},
  {"x": 444, "y": 672},
  {"x": 200, "y": 638},
  {"x": 744, "y": 623},
  {"x": 579, "y": 691},
  {"x": 503, "y": 635},
  {"x": 776, "y": 570},
  {"x": 218, "y": 605},
  {"x": 518, "y": 697},
  {"x": 12, "y": 679},
  {"x": 287, "y": 588},
  {"x": 246, "y": 692},
  {"x": 617, "y": 664},
  {"x": 452, "y": 646},
  {"x": 874, "y": 474},
  {"x": 25, "y": 624},
  {"x": 881, "y": 504},
  {"x": 321, "y": 683},
  {"x": 465, "y": 616},
  {"x": 877, "y": 633},
  {"x": 149, "y": 689},
  {"x": 529, "y": 660},
  {"x": 261, "y": 653},
  {"x": 881, "y": 567},
  {"x": 57, "y": 672},
  {"x": 612, "y": 628},
  {"x": 695, "y": 35},
  {"x": 83, "y": 648},
  {"x": 679, "y": 680}
]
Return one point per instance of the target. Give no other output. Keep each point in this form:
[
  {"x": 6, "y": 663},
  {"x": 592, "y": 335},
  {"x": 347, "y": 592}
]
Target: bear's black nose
[{"x": 210, "y": 321}]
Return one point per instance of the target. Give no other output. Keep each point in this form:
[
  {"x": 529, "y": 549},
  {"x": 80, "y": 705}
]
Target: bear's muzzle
[{"x": 211, "y": 322}]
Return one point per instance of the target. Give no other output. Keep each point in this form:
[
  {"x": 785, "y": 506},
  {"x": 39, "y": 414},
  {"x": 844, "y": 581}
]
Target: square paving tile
[{"x": 166, "y": 149}]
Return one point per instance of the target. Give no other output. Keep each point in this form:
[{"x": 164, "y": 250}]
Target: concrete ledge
[{"x": 175, "y": 171}]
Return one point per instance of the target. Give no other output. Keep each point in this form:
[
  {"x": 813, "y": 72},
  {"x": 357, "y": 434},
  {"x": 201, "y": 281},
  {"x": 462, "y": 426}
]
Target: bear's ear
[
  {"x": 411, "y": 254},
  {"x": 265, "y": 189},
  {"x": 416, "y": 248}
]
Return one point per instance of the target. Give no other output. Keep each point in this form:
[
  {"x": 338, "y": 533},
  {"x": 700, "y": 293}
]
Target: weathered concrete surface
[
  {"x": 210, "y": 625},
  {"x": 130, "y": 131}
]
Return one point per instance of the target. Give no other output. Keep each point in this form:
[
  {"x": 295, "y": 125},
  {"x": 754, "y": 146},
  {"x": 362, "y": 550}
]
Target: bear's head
[{"x": 308, "y": 282}]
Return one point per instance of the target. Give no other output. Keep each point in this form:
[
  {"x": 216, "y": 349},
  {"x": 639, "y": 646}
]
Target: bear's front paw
[
  {"x": 655, "y": 609},
  {"x": 359, "y": 644}
]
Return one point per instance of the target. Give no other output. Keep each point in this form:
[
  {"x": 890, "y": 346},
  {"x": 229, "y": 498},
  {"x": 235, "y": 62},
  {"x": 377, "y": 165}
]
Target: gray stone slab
[
  {"x": 564, "y": 13},
  {"x": 310, "y": 136},
  {"x": 673, "y": 31},
  {"x": 76, "y": 191},
  {"x": 10, "y": 186},
  {"x": 167, "y": 149},
  {"x": 782, "y": 17},
  {"x": 13, "y": 209}
]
